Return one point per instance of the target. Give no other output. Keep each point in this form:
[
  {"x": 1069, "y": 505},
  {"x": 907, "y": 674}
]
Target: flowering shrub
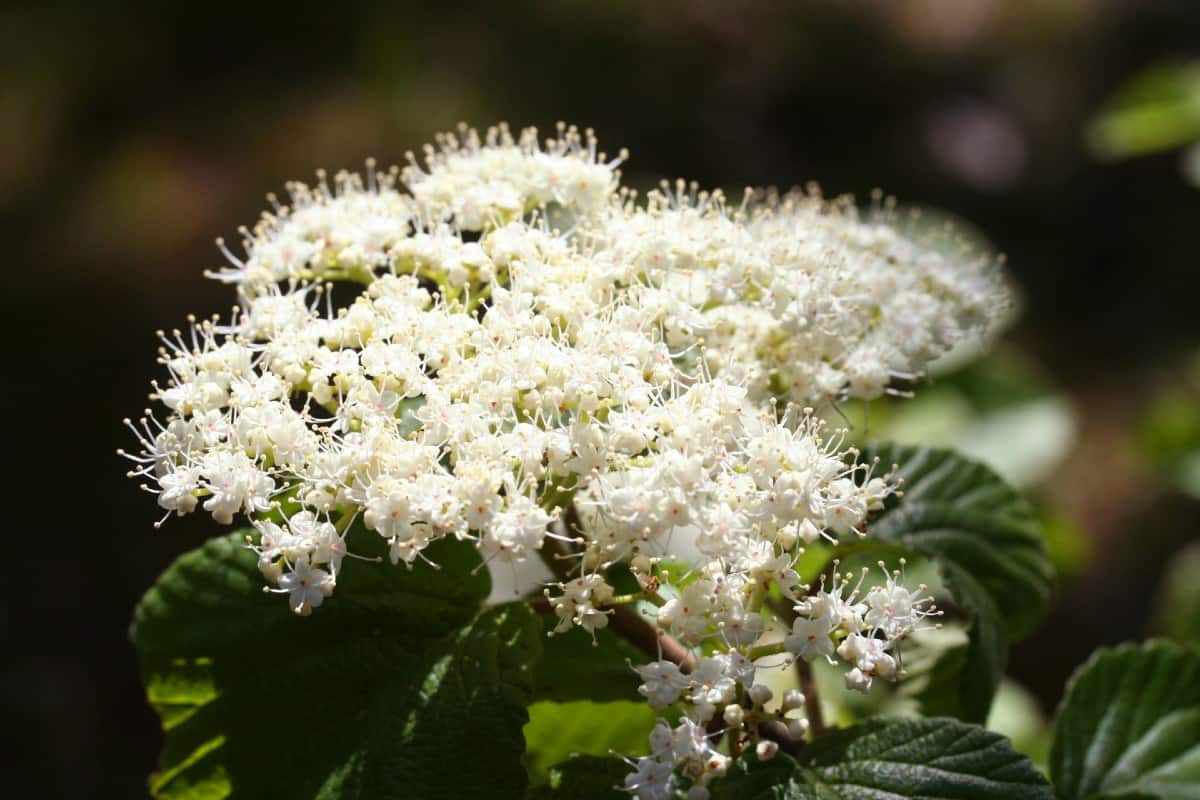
[{"x": 499, "y": 357}]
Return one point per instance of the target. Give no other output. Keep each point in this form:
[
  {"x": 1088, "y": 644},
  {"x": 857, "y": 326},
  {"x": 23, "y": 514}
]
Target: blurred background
[{"x": 133, "y": 134}]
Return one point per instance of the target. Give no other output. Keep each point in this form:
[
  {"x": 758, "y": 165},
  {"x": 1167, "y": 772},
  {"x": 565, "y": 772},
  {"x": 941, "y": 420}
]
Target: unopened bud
[
  {"x": 797, "y": 728},
  {"x": 793, "y": 698},
  {"x": 760, "y": 694},
  {"x": 718, "y": 764},
  {"x": 734, "y": 714},
  {"x": 766, "y": 750}
]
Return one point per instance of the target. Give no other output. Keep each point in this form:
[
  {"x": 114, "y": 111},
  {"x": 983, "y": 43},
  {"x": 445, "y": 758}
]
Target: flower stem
[
  {"x": 764, "y": 650},
  {"x": 812, "y": 700},
  {"x": 345, "y": 520}
]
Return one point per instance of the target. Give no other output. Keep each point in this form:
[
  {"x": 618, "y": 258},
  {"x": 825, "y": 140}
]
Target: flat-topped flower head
[{"x": 501, "y": 345}]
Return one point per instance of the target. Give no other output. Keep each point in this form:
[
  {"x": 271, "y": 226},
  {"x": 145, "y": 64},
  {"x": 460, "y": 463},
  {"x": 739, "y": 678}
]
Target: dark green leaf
[
  {"x": 370, "y": 696},
  {"x": 985, "y": 540},
  {"x": 966, "y": 678},
  {"x": 1130, "y": 726},
  {"x": 927, "y": 758},
  {"x": 585, "y": 778},
  {"x": 573, "y": 668}
]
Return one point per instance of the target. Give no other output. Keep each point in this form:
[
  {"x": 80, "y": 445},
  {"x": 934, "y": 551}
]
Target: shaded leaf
[
  {"x": 1177, "y": 607},
  {"x": 585, "y": 778},
  {"x": 366, "y": 697},
  {"x": 573, "y": 668},
  {"x": 985, "y": 540}
]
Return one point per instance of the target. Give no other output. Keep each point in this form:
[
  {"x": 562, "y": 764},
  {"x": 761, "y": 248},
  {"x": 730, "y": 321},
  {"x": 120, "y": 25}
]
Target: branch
[
  {"x": 812, "y": 702},
  {"x": 623, "y": 621},
  {"x": 631, "y": 627}
]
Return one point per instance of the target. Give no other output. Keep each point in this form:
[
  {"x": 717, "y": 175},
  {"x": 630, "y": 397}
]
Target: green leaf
[
  {"x": 1177, "y": 605},
  {"x": 573, "y": 668},
  {"x": 985, "y": 540},
  {"x": 924, "y": 758},
  {"x": 1017, "y": 714},
  {"x": 557, "y": 731},
  {"x": 1158, "y": 109},
  {"x": 1130, "y": 726},
  {"x": 585, "y": 778},
  {"x": 369, "y": 696}
]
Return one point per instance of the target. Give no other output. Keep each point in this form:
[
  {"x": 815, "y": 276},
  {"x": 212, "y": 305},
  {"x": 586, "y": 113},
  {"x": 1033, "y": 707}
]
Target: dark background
[{"x": 131, "y": 136}]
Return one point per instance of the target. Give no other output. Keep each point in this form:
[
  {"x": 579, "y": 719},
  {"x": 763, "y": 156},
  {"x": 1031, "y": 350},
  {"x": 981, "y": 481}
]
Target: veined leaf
[
  {"x": 985, "y": 540},
  {"x": 925, "y": 758},
  {"x": 1129, "y": 726},
  {"x": 369, "y": 697}
]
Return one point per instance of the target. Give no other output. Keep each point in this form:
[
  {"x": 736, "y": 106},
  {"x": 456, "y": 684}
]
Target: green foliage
[
  {"x": 402, "y": 686},
  {"x": 1017, "y": 714},
  {"x": 573, "y": 668},
  {"x": 557, "y": 731},
  {"x": 998, "y": 409},
  {"x": 985, "y": 540},
  {"x": 396, "y": 675},
  {"x": 1156, "y": 110},
  {"x": 927, "y": 758},
  {"x": 1169, "y": 435},
  {"x": 584, "y": 778},
  {"x": 1177, "y": 613},
  {"x": 1129, "y": 726}
]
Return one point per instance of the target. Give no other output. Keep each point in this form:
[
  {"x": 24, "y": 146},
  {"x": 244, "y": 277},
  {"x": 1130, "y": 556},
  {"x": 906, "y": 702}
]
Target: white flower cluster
[
  {"x": 636, "y": 387},
  {"x": 863, "y": 628},
  {"x": 690, "y": 748}
]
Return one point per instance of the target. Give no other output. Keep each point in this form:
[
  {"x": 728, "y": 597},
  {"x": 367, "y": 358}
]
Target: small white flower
[
  {"x": 711, "y": 682},
  {"x": 662, "y": 683},
  {"x": 306, "y": 587},
  {"x": 652, "y": 780},
  {"x": 810, "y": 639},
  {"x": 857, "y": 680}
]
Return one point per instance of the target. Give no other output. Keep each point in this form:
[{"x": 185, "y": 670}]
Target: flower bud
[
  {"x": 766, "y": 750},
  {"x": 734, "y": 714},
  {"x": 797, "y": 728},
  {"x": 718, "y": 764},
  {"x": 760, "y": 694},
  {"x": 856, "y": 681},
  {"x": 793, "y": 698}
]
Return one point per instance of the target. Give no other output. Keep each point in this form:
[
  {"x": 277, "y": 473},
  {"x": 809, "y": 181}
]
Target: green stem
[
  {"x": 344, "y": 520},
  {"x": 764, "y": 650}
]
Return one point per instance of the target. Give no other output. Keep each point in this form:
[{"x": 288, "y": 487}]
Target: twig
[
  {"x": 812, "y": 701},
  {"x": 631, "y": 627}
]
